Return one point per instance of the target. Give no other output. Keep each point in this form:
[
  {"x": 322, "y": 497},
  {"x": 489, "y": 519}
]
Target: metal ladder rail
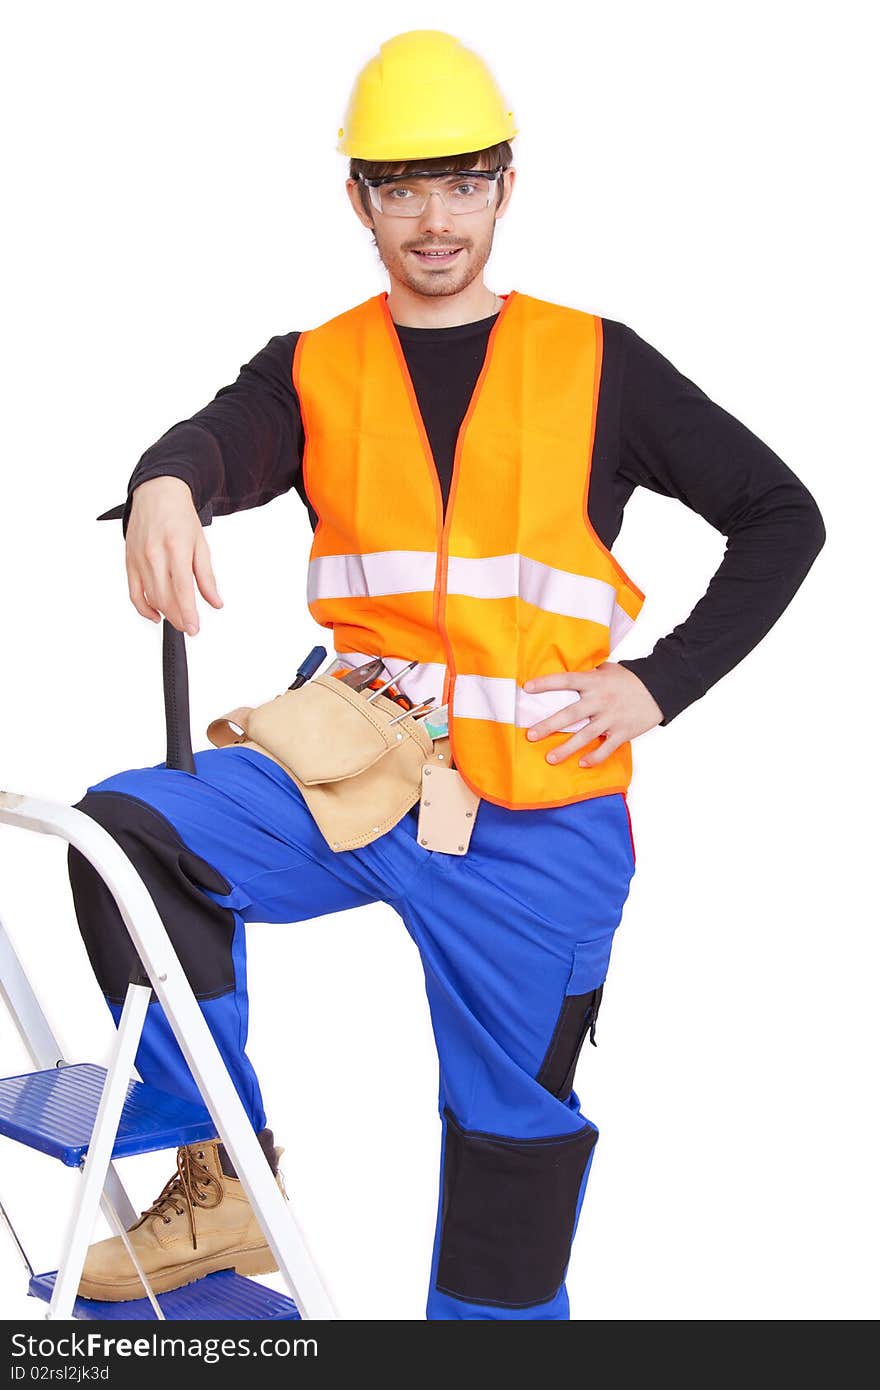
[
  {"x": 185, "y": 1018},
  {"x": 97, "y": 1159},
  {"x": 45, "y": 1053}
]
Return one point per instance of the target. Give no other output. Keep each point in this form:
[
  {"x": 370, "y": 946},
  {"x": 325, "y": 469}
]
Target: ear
[
  {"x": 509, "y": 181},
  {"x": 352, "y": 188}
]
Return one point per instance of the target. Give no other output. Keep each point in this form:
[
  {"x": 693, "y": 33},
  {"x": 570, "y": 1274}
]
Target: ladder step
[
  {"x": 221, "y": 1295},
  {"x": 54, "y": 1111}
]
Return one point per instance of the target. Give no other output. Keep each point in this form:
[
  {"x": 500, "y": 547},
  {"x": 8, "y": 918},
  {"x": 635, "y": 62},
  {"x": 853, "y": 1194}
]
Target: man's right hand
[{"x": 165, "y": 547}]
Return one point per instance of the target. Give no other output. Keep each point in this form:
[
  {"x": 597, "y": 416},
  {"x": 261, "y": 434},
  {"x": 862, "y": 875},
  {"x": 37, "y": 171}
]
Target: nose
[{"x": 435, "y": 216}]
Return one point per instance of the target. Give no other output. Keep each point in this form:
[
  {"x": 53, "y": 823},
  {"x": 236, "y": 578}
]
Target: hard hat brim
[{"x": 423, "y": 148}]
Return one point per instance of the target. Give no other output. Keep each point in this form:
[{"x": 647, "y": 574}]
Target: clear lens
[{"x": 460, "y": 192}]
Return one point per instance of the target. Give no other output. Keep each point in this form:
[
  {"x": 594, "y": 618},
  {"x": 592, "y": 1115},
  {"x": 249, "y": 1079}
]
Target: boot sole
[{"x": 259, "y": 1260}]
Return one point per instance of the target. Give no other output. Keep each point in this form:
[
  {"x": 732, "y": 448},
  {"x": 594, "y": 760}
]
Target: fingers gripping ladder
[{"x": 88, "y": 1116}]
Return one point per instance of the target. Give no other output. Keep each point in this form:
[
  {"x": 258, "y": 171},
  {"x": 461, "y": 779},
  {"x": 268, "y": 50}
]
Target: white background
[{"x": 174, "y": 198}]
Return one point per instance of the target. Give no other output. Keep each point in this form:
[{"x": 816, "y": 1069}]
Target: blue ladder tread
[
  {"x": 224, "y": 1295},
  {"x": 54, "y": 1111}
]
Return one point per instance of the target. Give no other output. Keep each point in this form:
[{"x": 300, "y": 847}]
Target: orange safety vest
[{"x": 514, "y": 583}]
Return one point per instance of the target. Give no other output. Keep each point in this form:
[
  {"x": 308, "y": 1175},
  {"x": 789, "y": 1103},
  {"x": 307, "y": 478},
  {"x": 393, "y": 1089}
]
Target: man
[{"x": 465, "y": 459}]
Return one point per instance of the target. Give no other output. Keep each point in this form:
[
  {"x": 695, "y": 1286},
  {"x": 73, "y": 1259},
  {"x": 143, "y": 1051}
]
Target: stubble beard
[{"x": 437, "y": 285}]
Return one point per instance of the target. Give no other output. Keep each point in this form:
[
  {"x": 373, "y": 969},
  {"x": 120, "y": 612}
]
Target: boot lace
[{"x": 193, "y": 1185}]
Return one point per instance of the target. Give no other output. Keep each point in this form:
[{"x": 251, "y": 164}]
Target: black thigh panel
[
  {"x": 577, "y": 1015},
  {"x": 508, "y": 1214},
  {"x": 201, "y": 930}
]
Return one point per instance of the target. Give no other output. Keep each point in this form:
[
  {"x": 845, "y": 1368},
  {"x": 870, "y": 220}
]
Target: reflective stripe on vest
[
  {"x": 513, "y": 583},
  {"x": 497, "y": 576}
]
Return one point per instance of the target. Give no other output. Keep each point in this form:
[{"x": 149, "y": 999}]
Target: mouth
[{"x": 438, "y": 256}]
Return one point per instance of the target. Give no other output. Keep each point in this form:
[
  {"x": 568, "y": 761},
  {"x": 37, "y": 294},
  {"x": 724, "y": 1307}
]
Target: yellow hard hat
[{"x": 423, "y": 95}]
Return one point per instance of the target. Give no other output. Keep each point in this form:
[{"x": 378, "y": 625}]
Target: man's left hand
[{"x": 617, "y": 704}]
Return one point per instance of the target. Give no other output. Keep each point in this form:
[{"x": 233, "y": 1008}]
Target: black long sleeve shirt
[{"x": 655, "y": 428}]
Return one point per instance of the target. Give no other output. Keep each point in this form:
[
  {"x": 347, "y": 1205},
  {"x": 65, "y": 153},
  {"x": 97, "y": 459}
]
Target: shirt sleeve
[
  {"x": 678, "y": 442},
  {"x": 240, "y": 450}
]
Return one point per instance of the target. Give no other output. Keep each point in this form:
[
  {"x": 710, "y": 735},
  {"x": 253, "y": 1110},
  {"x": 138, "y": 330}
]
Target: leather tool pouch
[
  {"x": 447, "y": 810},
  {"x": 358, "y": 773}
]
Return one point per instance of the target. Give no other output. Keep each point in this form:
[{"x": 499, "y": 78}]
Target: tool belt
[{"x": 358, "y": 773}]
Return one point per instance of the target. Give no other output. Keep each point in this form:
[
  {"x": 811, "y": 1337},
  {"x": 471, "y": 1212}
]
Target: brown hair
[{"x": 489, "y": 158}]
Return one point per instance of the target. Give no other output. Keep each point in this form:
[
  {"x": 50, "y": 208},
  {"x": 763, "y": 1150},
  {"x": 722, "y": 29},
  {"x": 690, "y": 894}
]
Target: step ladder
[{"x": 88, "y": 1116}]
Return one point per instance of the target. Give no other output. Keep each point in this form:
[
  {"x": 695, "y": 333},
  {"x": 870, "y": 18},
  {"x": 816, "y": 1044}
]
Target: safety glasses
[{"x": 406, "y": 195}]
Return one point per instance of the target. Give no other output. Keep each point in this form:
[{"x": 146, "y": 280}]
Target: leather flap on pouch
[{"x": 326, "y": 731}]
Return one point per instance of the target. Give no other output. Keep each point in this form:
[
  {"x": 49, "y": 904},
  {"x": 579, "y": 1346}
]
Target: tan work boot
[{"x": 201, "y": 1221}]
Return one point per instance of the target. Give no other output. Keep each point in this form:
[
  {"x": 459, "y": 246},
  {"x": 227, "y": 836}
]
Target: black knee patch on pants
[
  {"x": 201, "y": 930},
  {"x": 576, "y": 1017},
  {"x": 508, "y": 1214}
]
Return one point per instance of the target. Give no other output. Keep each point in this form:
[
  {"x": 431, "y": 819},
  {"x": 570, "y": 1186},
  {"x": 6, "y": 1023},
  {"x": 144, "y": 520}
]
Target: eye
[
  {"x": 405, "y": 193},
  {"x": 466, "y": 188}
]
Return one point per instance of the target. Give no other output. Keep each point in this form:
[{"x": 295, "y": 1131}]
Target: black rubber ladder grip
[
  {"x": 179, "y": 753},
  {"x": 178, "y": 732}
]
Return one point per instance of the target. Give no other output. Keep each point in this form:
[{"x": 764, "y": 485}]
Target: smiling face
[{"x": 464, "y": 241}]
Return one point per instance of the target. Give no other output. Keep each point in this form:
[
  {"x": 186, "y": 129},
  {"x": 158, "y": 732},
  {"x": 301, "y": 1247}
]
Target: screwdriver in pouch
[
  {"x": 416, "y": 712},
  {"x": 392, "y": 681},
  {"x": 308, "y": 667}
]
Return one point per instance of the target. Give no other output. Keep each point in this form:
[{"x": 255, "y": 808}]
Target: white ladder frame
[{"x": 162, "y": 966}]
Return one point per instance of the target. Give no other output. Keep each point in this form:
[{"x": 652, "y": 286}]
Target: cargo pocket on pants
[
  {"x": 577, "y": 1017},
  {"x": 508, "y": 1213}
]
